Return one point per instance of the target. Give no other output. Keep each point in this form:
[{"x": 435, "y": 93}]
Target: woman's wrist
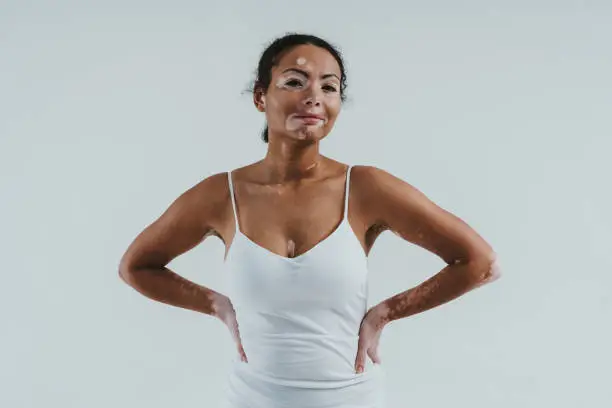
[
  {"x": 380, "y": 315},
  {"x": 219, "y": 305}
]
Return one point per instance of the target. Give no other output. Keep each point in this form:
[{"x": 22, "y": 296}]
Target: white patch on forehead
[{"x": 301, "y": 61}]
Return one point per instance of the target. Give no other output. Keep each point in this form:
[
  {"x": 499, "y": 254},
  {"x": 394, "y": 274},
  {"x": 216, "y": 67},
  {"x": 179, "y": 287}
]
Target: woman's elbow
[
  {"x": 127, "y": 271},
  {"x": 488, "y": 270},
  {"x": 126, "y": 275}
]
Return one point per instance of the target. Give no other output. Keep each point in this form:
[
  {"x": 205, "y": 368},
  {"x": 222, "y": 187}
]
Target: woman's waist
[
  {"x": 302, "y": 356},
  {"x": 312, "y": 376}
]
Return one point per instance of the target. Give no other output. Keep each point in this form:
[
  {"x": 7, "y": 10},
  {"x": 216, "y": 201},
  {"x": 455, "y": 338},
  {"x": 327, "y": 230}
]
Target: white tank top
[{"x": 299, "y": 317}]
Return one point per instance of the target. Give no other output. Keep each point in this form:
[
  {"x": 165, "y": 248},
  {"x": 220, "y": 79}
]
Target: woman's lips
[{"x": 310, "y": 119}]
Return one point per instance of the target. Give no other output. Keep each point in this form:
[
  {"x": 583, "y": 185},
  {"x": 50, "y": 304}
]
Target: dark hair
[{"x": 275, "y": 51}]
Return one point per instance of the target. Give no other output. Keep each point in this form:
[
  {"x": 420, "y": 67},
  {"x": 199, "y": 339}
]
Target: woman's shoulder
[
  {"x": 374, "y": 177},
  {"x": 216, "y": 185},
  {"x": 208, "y": 197},
  {"x": 213, "y": 191},
  {"x": 369, "y": 178},
  {"x": 211, "y": 187},
  {"x": 375, "y": 187}
]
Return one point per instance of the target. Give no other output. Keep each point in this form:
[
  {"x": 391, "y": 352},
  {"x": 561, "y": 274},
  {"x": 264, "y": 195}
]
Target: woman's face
[{"x": 303, "y": 99}]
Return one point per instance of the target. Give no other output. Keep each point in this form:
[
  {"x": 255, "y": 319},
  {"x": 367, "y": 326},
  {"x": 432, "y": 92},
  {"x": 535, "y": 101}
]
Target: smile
[{"x": 310, "y": 119}]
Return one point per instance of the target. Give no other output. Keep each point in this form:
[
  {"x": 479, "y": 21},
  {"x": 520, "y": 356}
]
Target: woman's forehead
[{"x": 309, "y": 57}]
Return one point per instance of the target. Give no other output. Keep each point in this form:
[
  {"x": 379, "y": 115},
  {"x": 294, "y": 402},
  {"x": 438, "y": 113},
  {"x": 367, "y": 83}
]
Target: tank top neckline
[
  {"x": 286, "y": 258},
  {"x": 240, "y": 234}
]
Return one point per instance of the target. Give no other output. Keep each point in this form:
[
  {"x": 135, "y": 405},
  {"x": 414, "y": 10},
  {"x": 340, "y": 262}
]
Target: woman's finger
[
  {"x": 242, "y": 354},
  {"x": 360, "y": 359}
]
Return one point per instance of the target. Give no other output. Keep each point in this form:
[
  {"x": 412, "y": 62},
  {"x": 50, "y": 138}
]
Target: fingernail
[{"x": 359, "y": 369}]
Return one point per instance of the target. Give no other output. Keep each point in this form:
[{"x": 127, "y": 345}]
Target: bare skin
[{"x": 292, "y": 200}]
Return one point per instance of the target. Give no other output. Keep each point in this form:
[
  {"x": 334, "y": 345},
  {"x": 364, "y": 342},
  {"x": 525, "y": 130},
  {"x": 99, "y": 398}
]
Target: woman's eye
[
  {"x": 293, "y": 82},
  {"x": 330, "y": 88}
]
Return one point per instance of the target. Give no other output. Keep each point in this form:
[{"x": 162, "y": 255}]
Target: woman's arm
[
  {"x": 192, "y": 217},
  {"x": 397, "y": 206}
]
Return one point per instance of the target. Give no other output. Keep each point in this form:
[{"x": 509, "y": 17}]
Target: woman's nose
[
  {"x": 312, "y": 100},
  {"x": 312, "y": 96}
]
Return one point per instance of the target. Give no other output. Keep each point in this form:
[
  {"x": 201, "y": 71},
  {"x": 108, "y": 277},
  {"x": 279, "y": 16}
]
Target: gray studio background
[{"x": 498, "y": 111}]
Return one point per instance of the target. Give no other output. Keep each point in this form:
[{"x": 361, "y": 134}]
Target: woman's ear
[{"x": 259, "y": 99}]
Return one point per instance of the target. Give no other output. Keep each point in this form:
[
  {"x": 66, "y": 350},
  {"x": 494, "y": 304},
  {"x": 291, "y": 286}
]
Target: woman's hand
[
  {"x": 224, "y": 311},
  {"x": 369, "y": 335}
]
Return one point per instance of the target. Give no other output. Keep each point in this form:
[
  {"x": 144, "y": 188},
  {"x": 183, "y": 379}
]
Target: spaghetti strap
[
  {"x": 346, "y": 191},
  {"x": 233, "y": 198}
]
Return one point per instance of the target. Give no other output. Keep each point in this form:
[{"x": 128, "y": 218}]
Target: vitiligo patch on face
[{"x": 301, "y": 61}]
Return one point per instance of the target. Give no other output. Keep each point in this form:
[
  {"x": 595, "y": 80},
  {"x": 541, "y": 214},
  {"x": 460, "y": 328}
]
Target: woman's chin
[{"x": 309, "y": 133}]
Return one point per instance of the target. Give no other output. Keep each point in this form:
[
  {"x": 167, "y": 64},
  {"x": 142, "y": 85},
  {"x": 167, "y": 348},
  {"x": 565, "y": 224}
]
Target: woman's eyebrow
[{"x": 299, "y": 71}]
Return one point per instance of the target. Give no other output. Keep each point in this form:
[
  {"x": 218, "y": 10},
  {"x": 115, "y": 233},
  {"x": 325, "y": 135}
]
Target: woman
[{"x": 297, "y": 228}]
